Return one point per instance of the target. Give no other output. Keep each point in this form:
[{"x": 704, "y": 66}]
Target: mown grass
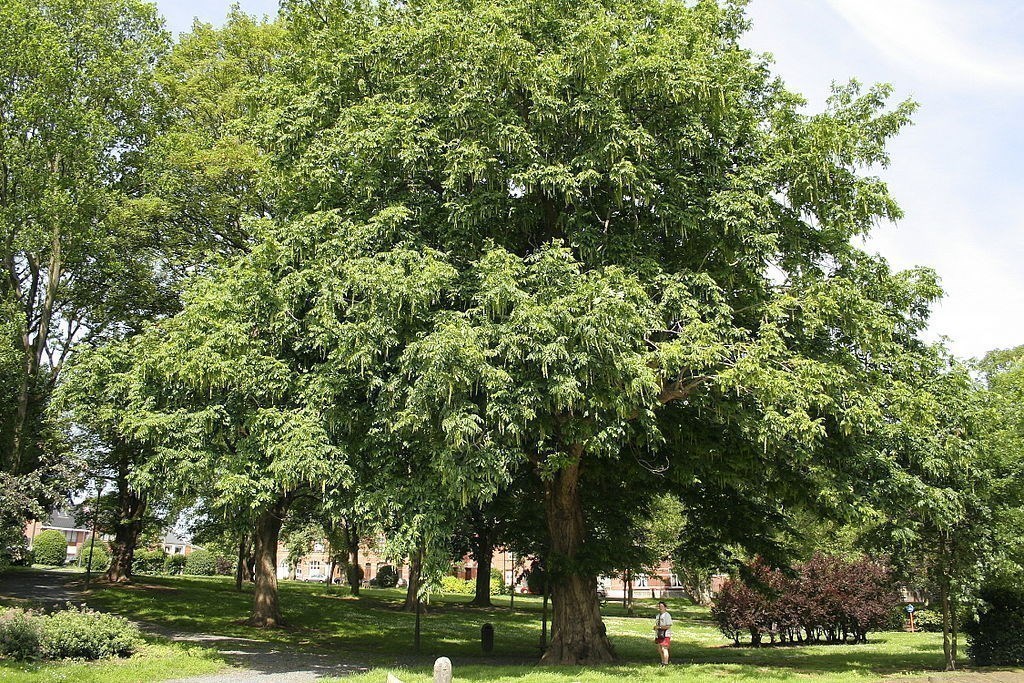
[
  {"x": 154, "y": 662},
  {"x": 371, "y": 629}
]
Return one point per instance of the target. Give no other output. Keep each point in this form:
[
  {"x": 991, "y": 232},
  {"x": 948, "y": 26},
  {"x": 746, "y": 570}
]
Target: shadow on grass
[{"x": 371, "y": 628}]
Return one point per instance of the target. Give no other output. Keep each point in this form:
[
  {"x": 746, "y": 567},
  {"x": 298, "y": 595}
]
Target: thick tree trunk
[
  {"x": 127, "y": 531},
  {"x": 577, "y": 633},
  {"x": 482, "y": 552},
  {"x": 352, "y": 537},
  {"x": 266, "y": 611},
  {"x": 415, "y": 573}
]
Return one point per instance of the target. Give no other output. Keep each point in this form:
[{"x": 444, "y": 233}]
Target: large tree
[
  {"x": 78, "y": 104},
  {"x": 643, "y": 249}
]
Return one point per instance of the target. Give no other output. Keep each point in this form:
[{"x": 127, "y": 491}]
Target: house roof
[
  {"x": 171, "y": 538},
  {"x": 62, "y": 519}
]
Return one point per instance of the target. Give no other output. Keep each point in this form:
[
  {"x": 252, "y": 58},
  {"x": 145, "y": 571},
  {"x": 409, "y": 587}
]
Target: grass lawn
[
  {"x": 371, "y": 629},
  {"x": 156, "y": 661}
]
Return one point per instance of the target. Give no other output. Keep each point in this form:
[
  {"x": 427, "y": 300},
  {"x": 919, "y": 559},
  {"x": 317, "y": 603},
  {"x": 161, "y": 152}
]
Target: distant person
[{"x": 663, "y": 632}]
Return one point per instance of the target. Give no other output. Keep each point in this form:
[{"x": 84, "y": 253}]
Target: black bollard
[{"x": 487, "y": 637}]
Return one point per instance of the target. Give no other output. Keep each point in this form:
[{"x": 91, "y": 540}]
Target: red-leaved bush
[{"x": 825, "y": 598}]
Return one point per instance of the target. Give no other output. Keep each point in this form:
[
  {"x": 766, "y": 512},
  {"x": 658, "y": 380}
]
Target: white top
[{"x": 664, "y": 620}]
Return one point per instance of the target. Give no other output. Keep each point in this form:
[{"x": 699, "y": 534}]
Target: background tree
[{"x": 78, "y": 105}]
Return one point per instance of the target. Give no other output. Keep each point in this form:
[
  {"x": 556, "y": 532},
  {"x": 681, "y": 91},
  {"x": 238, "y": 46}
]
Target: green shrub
[
  {"x": 50, "y": 548},
  {"x": 453, "y": 585},
  {"x": 20, "y": 635},
  {"x": 996, "y": 638},
  {"x": 200, "y": 563},
  {"x": 387, "y": 577},
  {"x": 224, "y": 566},
  {"x": 928, "y": 620},
  {"x": 100, "y": 556},
  {"x": 535, "y": 579},
  {"x": 174, "y": 564},
  {"x": 148, "y": 562},
  {"x": 497, "y": 582},
  {"x": 81, "y": 633}
]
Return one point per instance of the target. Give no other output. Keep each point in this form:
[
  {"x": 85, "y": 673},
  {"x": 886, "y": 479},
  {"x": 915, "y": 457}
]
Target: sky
[{"x": 957, "y": 172}]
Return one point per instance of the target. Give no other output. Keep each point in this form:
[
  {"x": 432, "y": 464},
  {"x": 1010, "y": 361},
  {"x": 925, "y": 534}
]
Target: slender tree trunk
[
  {"x": 243, "y": 545},
  {"x": 330, "y": 574},
  {"x": 352, "y": 537},
  {"x": 415, "y": 574},
  {"x": 266, "y": 611},
  {"x": 948, "y": 649},
  {"x": 482, "y": 552},
  {"x": 577, "y": 633}
]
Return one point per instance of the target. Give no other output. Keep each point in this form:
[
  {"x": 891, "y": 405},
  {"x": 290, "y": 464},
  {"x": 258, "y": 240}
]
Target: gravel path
[
  {"x": 256, "y": 660},
  {"x": 39, "y": 585}
]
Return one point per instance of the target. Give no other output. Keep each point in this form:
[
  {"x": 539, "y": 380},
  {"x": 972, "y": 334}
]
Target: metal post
[
  {"x": 92, "y": 540},
  {"x": 512, "y": 592},
  {"x": 418, "y": 603},
  {"x": 544, "y": 618}
]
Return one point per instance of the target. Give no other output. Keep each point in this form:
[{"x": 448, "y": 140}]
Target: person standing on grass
[{"x": 663, "y": 632}]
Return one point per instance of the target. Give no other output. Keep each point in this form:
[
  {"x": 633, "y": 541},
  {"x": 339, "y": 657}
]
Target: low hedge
[
  {"x": 73, "y": 633},
  {"x": 200, "y": 563}
]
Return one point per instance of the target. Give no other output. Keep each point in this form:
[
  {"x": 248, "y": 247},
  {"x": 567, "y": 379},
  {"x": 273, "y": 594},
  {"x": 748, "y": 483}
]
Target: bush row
[
  {"x": 197, "y": 563},
  {"x": 825, "y": 598},
  {"x": 73, "y": 633}
]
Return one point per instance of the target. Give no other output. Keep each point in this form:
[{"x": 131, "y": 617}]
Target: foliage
[
  {"x": 148, "y": 561},
  {"x": 100, "y": 555},
  {"x": 81, "y": 633},
  {"x": 453, "y": 585},
  {"x": 928, "y": 620},
  {"x": 827, "y": 598},
  {"x": 996, "y": 638},
  {"x": 200, "y": 562},
  {"x": 387, "y": 576},
  {"x": 174, "y": 564},
  {"x": 78, "y": 103},
  {"x": 50, "y": 548},
  {"x": 20, "y": 635}
]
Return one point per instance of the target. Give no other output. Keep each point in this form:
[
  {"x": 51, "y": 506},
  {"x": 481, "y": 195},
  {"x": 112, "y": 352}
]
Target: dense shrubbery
[
  {"x": 224, "y": 566},
  {"x": 20, "y": 635},
  {"x": 148, "y": 562},
  {"x": 453, "y": 585},
  {"x": 50, "y": 548},
  {"x": 174, "y": 564},
  {"x": 100, "y": 556},
  {"x": 825, "y": 598},
  {"x": 996, "y": 638},
  {"x": 928, "y": 620},
  {"x": 387, "y": 577},
  {"x": 200, "y": 563},
  {"x": 69, "y": 634}
]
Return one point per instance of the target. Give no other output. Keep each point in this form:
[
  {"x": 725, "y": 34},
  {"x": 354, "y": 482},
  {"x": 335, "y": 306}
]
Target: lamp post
[{"x": 92, "y": 538}]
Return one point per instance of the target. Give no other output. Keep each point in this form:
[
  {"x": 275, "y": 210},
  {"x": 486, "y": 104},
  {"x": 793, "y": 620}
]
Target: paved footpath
[{"x": 253, "y": 660}]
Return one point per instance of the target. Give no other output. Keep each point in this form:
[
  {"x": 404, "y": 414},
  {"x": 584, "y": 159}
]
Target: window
[
  {"x": 641, "y": 580},
  {"x": 314, "y": 567},
  {"x": 673, "y": 580}
]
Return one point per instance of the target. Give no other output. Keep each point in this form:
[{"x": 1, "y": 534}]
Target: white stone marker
[{"x": 443, "y": 670}]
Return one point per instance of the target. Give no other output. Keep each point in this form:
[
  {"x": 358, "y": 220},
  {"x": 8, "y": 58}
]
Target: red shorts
[{"x": 665, "y": 642}]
